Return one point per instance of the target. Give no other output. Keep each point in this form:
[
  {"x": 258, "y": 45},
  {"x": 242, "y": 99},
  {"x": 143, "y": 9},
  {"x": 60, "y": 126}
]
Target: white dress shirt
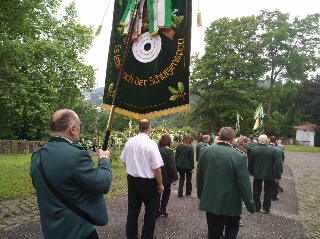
[{"x": 141, "y": 155}]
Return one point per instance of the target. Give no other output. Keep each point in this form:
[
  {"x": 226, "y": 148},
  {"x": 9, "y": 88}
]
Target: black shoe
[
  {"x": 165, "y": 214},
  {"x": 275, "y": 199},
  {"x": 265, "y": 211},
  {"x": 281, "y": 189},
  {"x": 180, "y": 196},
  {"x": 158, "y": 214}
]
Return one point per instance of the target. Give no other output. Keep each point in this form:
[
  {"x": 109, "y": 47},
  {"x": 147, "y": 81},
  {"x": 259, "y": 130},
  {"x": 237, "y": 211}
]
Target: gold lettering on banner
[
  {"x": 164, "y": 74},
  {"x": 117, "y": 61},
  {"x": 117, "y": 49},
  {"x": 171, "y": 68},
  {"x": 117, "y": 57},
  {"x": 134, "y": 80}
]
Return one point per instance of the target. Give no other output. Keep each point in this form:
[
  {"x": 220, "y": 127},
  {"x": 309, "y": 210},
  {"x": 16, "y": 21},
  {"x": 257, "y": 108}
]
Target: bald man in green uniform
[
  {"x": 69, "y": 169},
  {"x": 222, "y": 183}
]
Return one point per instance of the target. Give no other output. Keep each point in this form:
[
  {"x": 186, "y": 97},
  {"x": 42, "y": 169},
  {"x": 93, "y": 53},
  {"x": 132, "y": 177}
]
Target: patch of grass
[
  {"x": 308, "y": 189},
  {"x": 14, "y": 176},
  {"x": 299, "y": 148},
  {"x": 15, "y": 181}
]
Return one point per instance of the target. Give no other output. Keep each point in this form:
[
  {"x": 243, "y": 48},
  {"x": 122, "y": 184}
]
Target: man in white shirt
[{"x": 142, "y": 160}]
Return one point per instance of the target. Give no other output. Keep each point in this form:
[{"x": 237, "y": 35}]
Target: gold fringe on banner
[
  {"x": 147, "y": 115},
  {"x": 98, "y": 30}
]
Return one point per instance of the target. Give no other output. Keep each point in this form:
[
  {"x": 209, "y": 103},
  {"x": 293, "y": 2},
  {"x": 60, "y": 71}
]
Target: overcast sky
[{"x": 91, "y": 13}]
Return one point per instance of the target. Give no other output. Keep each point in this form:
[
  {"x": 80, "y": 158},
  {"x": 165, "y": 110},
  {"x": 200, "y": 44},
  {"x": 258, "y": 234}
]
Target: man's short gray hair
[{"x": 263, "y": 139}]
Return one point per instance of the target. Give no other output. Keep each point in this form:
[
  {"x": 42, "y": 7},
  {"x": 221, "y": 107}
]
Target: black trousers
[
  {"x": 163, "y": 198},
  {"x": 275, "y": 190},
  {"x": 141, "y": 190},
  {"x": 257, "y": 188},
  {"x": 184, "y": 174},
  {"x": 216, "y": 224},
  {"x": 93, "y": 235}
]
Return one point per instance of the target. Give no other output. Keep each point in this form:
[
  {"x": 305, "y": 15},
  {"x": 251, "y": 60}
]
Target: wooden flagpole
[{"x": 119, "y": 80}]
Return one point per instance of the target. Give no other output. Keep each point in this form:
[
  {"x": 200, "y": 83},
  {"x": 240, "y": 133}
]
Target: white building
[{"x": 305, "y": 134}]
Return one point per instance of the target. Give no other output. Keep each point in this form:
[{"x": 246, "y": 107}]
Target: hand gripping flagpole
[{"x": 119, "y": 81}]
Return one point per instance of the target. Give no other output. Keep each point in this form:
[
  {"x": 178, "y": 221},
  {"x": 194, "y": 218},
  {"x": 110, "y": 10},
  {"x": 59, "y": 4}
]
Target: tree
[
  {"x": 41, "y": 67},
  {"x": 284, "y": 110},
  {"x": 226, "y": 77},
  {"x": 289, "y": 48},
  {"x": 88, "y": 115},
  {"x": 307, "y": 100}
]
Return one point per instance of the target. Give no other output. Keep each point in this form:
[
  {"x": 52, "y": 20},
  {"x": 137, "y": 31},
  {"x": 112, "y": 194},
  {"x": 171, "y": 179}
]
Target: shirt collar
[
  {"x": 224, "y": 143},
  {"x": 60, "y": 139}
]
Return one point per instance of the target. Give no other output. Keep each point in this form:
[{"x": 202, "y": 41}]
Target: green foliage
[
  {"x": 238, "y": 71},
  {"x": 41, "y": 67},
  {"x": 289, "y": 47},
  {"x": 272, "y": 127},
  {"x": 307, "y": 100},
  {"x": 88, "y": 116},
  {"x": 176, "y": 20}
]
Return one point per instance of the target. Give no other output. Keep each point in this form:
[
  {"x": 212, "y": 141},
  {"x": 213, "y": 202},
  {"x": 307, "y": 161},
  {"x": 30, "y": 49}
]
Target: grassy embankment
[
  {"x": 307, "y": 179},
  {"x": 16, "y": 182}
]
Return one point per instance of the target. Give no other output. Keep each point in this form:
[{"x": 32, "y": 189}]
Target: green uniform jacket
[
  {"x": 252, "y": 144},
  {"x": 223, "y": 180},
  {"x": 184, "y": 157},
  {"x": 264, "y": 163},
  {"x": 168, "y": 170},
  {"x": 198, "y": 147},
  {"x": 70, "y": 169},
  {"x": 279, "y": 155}
]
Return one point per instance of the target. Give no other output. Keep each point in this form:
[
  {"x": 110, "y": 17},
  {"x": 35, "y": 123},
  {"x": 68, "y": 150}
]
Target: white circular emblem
[{"x": 147, "y": 48}]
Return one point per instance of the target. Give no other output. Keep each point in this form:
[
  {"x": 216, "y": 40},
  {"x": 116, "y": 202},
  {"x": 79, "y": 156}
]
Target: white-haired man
[{"x": 265, "y": 167}]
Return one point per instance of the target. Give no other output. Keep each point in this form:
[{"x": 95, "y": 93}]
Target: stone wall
[{"x": 19, "y": 146}]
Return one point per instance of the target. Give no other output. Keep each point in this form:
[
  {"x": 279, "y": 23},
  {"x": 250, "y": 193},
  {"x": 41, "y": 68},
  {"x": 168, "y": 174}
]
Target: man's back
[
  {"x": 71, "y": 171},
  {"x": 264, "y": 163},
  {"x": 198, "y": 147},
  {"x": 222, "y": 180},
  {"x": 141, "y": 155}
]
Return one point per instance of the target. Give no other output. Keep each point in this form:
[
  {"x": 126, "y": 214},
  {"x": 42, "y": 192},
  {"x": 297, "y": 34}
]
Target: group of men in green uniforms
[{"x": 223, "y": 182}]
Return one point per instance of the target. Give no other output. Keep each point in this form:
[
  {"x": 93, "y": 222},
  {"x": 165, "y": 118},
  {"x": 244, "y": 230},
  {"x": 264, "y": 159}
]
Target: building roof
[{"x": 307, "y": 127}]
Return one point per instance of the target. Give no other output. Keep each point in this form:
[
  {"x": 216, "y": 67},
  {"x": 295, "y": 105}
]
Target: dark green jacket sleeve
[
  {"x": 172, "y": 167},
  {"x": 277, "y": 166},
  {"x": 192, "y": 157},
  {"x": 95, "y": 179},
  {"x": 243, "y": 181}
]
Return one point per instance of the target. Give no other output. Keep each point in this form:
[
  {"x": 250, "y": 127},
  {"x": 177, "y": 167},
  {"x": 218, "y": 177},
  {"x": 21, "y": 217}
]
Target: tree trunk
[
  {"x": 214, "y": 125},
  {"x": 272, "y": 81}
]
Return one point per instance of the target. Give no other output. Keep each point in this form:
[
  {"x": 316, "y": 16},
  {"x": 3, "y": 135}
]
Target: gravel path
[{"x": 186, "y": 221}]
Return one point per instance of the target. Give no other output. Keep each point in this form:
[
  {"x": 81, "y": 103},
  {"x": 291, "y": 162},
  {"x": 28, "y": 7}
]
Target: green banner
[{"x": 156, "y": 76}]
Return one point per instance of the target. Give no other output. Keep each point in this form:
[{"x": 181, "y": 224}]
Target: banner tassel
[
  {"x": 199, "y": 21},
  {"x": 100, "y": 26},
  {"x": 98, "y": 30}
]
